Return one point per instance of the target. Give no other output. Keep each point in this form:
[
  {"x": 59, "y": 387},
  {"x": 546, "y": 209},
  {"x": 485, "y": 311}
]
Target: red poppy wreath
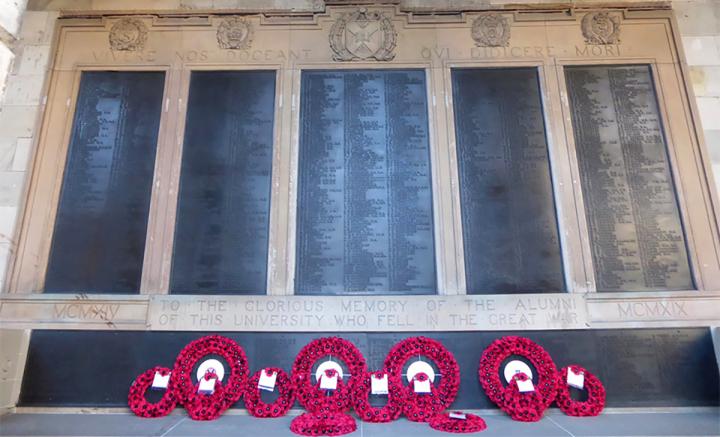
[
  {"x": 311, "y": 396},
  {"x": 322, "y": 424},
  {"x": 596, "y": 393},
  {"x": 458, "y": 423},
  {"x": 253, "y": 400},
  {"x": 390, "y": 411},
  {"x": 210, "y": 406},
  {"x": 420, "y": 407},
  {"x": 528, "y": 406},
  {"x": 136, "y": 397}
]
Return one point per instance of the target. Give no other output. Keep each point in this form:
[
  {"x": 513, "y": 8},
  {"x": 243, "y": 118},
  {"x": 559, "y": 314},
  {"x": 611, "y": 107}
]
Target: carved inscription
[
  {"x": 412, "y": 313},
  {"x": 365, "y": 200},
  {"x": 636, "y": 235},
  {"x": 80, "y": 311}
]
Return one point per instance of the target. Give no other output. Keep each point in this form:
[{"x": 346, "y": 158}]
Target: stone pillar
[
  {"x": 21, "y": 106},
  {"x": 699, "y": 22},
  {"x": 13, "y": 352}
]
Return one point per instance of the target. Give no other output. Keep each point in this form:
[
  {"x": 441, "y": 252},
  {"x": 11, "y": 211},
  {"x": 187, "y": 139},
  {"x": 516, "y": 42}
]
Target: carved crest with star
[
  {"x": 363, "y": 35},
  {"x": 234, "y": 33},
  {"x": 600, "y": 28},
  {"x": 128, "y": 34},
  {"x": 491, "y": 30}
]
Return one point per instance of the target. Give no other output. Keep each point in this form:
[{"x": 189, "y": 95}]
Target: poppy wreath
[
  {"x": 421, "y": 407},
  {"x": 368, "y": 413},
  {"x": 596, "y": 394},
  {"x": 312, "y": 397},
  {"x": 508, "y": 397},
  {"x": 253, "y": 400},
  {"x": 523, "y": 407},
  {"x": 471, "y": 423},
  {"x": 208, "y": 407},
  {"x": 321, "y": 424},
  {"x": 204, "y": 406},
  {"x": 136, "y": 397}
]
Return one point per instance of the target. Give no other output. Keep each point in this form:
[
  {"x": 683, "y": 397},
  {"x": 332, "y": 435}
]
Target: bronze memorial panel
[
  {"x": 365, "y": 222},
  {"x": 99, "y": 238},
  {"x": 636, "y": 234},
  {"x": 510, "y": 228},
  {"x": 221, "y": 235}
]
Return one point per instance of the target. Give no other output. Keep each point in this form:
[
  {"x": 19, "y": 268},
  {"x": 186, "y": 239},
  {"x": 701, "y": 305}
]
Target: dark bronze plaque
[
  {"x": 510, "y": 230},
  {"x": 365, "y": 199},
  {"x": 636, "y": 235},
  {"x": 221, "y": 235},
  {"x": 99, "y": 239}
]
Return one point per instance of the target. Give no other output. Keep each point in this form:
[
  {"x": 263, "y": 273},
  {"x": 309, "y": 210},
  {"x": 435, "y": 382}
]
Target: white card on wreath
[
  {"x": 328, "y": 382},
  {"x": 379, "y": 386},
  {"x": 207, "y": 386},
  {"x": 266, "y": 382},
  {"x": 160, "y": 382},
  {"x": 457, "y": 415},
  {"x": 525, "y": 386},
  {"x": 576, "y": 380},
  {"x": 422, "y": 386}
]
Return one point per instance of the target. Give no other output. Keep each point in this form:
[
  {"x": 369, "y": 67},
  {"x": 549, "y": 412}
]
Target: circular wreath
[
  {"x": 136, "y": 397},
  {"x": 310, "y": 396},
  {"x": 509, "y": 398},
  {"x": 208, "y": 407},
  {"x": 471, "y": 423},
  {"x": 421, "y": 407},
  {"x": 389, "y": 412},
  {"x": 321, "y": 424},
  {"x": 253, "y": 400},
  {"x": 523, "y": 407},
  {"x": 596, "y": 394}
]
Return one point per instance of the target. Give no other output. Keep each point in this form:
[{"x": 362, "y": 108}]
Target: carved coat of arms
[
  {"x": 363, "y": 35},
  {"x": 491, "y": 30},
  {"x": 601, "y": 28},
  {"x": 234, "y": 33},
  {"x": 128, "y": 34}
]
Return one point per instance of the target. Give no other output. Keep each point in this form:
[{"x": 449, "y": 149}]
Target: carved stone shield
[
  {"x": 491, "y": 30},
  {"x": 363, "y": 35},
  {"x": 234, "y": 33},
  {"x": 128, "y": 34},
  {"x": 601, "y": 28}
]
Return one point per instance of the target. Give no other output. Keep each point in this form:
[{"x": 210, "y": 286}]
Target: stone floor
[{"x": 696, "y": 423}]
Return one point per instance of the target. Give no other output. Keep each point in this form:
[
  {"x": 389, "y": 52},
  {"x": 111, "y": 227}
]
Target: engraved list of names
[
  {"x": 636, "y": 234},
  {"x": 365, "y": 220}
]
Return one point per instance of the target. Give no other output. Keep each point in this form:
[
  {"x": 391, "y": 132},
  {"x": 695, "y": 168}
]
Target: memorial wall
[{"x": 370, "y": 170}]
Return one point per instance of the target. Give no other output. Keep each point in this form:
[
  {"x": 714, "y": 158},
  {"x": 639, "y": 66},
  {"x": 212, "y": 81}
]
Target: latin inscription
[{"x": 591, "y": 51}]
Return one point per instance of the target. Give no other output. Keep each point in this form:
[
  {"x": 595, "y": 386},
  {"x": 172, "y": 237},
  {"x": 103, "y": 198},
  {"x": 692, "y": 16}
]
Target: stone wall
[{"x": 30, "y": 44}]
